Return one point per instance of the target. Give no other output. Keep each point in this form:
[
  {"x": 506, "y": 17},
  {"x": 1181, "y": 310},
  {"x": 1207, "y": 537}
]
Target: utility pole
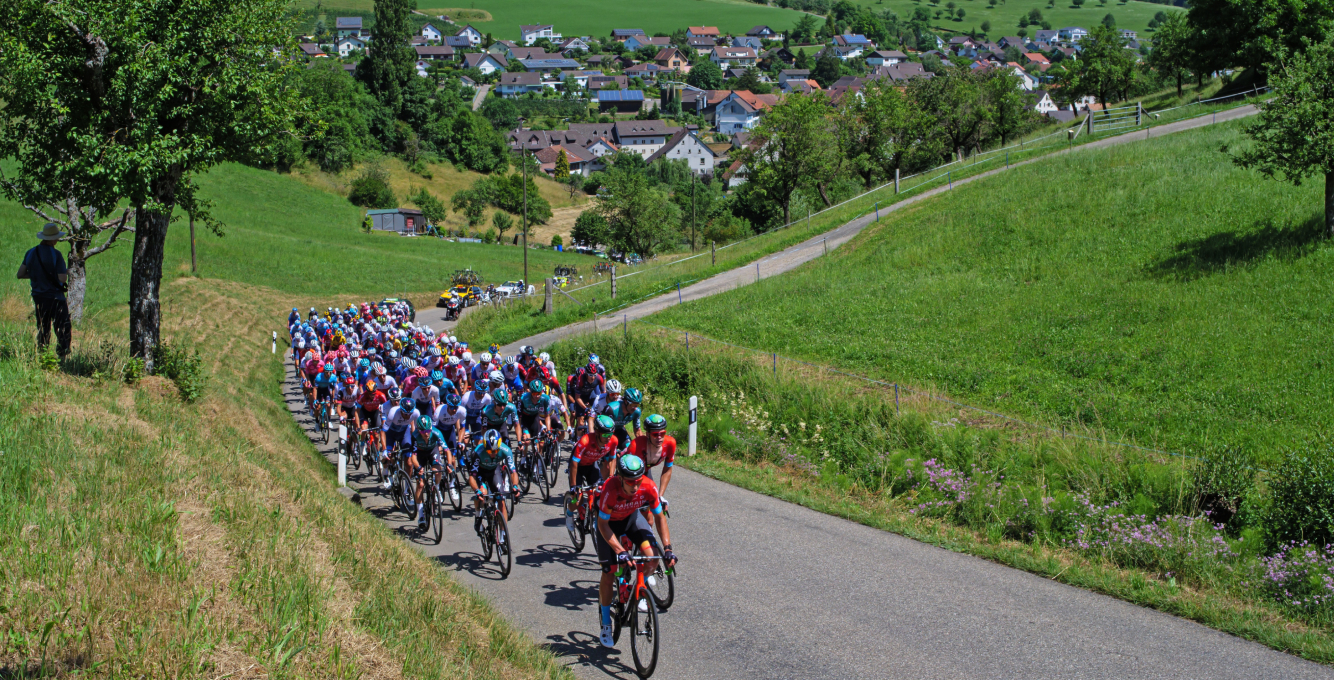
[
  {"x": 692, "y": 211},
  {"x": 524, "y": 159},
  {"x": 192, "y": 243}
]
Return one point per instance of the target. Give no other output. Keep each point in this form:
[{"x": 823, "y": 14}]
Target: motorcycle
[{"x": 452, "y": 309}]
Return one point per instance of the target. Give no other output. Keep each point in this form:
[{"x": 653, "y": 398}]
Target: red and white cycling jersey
[
  {"x": 615, "y": 505},
  {"x": 589, "y": 452}
]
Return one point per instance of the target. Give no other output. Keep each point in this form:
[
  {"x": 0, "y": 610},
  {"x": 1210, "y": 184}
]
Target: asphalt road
[{"x": 767, "y": 589}]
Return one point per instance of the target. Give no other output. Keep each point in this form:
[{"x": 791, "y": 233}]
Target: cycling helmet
[
  {"x": 535, "y": 386},
  {"x": 591, "y": 368},
  {"x": 328, "y": 368},
  {"x": 453, "y": 339},
  {"x": 423, "y": 423},
  {"x": 437, "y": 376},
  {"x": 499, "y": 396},
  {"x": 496, "y": 376},
  {"x": 634, "y": 396},
  {"x": 527, "y": 350},
  {"x": 544, "y": 356},
  {"x": 452, "y": 399},
  {"x": 510, "y": 361},
  {"x": 614, "y": 386},
  {"x": 300, "y": 343},
  {"x": 453, "y": 361},
  {"x": 407, "y": 404},
  {"x": 380, "y": 370},
  {"x": 364, "y": 363},
  {"x": 491, "y": 440},
  {"x": 370, "y": 386},
  {"x": 435, "y": 351},
  {"x": 349, "y": 380},
  {"x": 594, "y": 359},
  {"x": 295, "y": 309},
  {"x": 393, "y": 354},
  {"x": 604, "y": 424},
  {"x": 395, "y": 394},
  {"x": 655, "y": 423},
  {"x": 467, "y": 356},
  {"x": 494, "y": 348},
  {"x": 486, "y": 357},
  {"x": 630, "y": 467},
  {"x": 420, "y": 372},
  {"x": 310, "y": 354}
]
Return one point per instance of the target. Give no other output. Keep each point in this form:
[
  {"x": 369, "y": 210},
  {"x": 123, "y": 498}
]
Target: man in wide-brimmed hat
[{"x": 45, "y": 268}]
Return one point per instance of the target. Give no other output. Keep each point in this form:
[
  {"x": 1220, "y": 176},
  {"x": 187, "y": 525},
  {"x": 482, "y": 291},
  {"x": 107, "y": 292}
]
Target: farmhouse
[
  {"x": 530, "y": 34},
  {"x": 732, "y": 57},
  {"x": 484, "y": 62},
  {"x": 684, "y": 145},
  {"x": 473, "y": 35},
  {"x": 643, "y": 137}
]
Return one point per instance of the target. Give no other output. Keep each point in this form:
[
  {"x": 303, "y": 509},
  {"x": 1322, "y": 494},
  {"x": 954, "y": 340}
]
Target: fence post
[
  {"x": 342, "y": 454},
  {"x": 825, "y": 241},
  {"x": 1139, "y": 114},
  {"x": 546, "y": 305},
  {"x": 896, "y": 398},
  {"x": 757, "y": 272},
  {"x": 678, "y": 294},
  {"x": 1007, "y": 160},
  {"x": 625, "y": 326},
  {"x": 896, "y": 180},
  {"x": 877, "y": 211},
  {"x": 1090, "y": 120},
  {"x": 949, "y": 176},
  {"x": 775, "y": 365},
  {"x": 613, "y": 282},
  {"x": 694, "y": 405},
  {"x": 808, "y": 217},
  {"x": 687, "y": 341},
  {"x": 713, "y": 252}
]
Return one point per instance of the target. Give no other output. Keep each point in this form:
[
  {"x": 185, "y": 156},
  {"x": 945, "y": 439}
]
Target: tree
[
  {"x": 793, "y": 147},
  {"x": 562, "y": 170},
  {"x": 954, "y": 100},
  {"x": 1104, "y": 68},
  {"x": 882, "y": 131},
  {"x": 1250, "y": 32},
  {"x": 501, "y": 113},
  {"x": 802, "y": 61},
  {"x": 804, "y": 31},
  {"x": 986, "y": 26},
  {"x": 959, "y": 14},
  {"x": 1294, "y": 133},
  {"x": 828, "y": 69},
  {"x": 1008, "y": 113},
  {"x": 640, "y": 218},
  {"x": 1109, "y": 21},
  {"x": 590, "y": 229},
  {"x": 705, "y": 75},
  {"x": 1173, "y": 48},
  {"x": 432, "y": 208},
  {"x": 748, "y": 81},
  {"x": 472, "y": 204},
  {"x": 388, "y": 67},
  {"x": 473, "y": 143},
  {"x": 502, "y": 222},
  {"x": 105, "y": 105},
  {"x": 371, "y": 189}
]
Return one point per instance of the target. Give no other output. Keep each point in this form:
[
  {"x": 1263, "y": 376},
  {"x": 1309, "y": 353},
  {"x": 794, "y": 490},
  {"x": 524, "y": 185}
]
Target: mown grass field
[
  {"x": 1151, "y": 291},
  {"x": 591, "y": 17},
  {"x": 1004, "y": 17}
]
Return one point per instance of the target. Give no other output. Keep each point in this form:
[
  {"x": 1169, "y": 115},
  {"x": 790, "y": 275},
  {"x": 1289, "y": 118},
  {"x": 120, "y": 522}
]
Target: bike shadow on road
[
  {"x": 553, "y": 553},
  {"x": 583, "y": 648},
  {"x": 473, "y": 563},
  {"x": 578, "y": 595}
]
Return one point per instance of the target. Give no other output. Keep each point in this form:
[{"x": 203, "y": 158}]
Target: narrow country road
[
  {"x": 767, "y": 589},
  {"x": 478, "y": 98}
]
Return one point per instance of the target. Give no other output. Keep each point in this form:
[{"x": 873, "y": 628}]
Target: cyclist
[
  {"x": 397, "y": 427},
  {"x": 311, "y": 367},
  {"x": 349, "y": 392},
  {"x": 449, "y": 418},
  {"x": 425, "y": 392},
  {"x": 370, "y": 409},
  {"x": 584, "y": 385},
  {"x": 427, "y": 444},
  {"x": 623, "y": 411},
  {"x": 501, "y": 415},
  {"x": 533, "y": 408},
  {"x": 618, "y": 516},
  {"x": 491, "y": 459},
  {"x": 475, "y": 401},
  {"x": 325, "y": 383},
  {"x": 591, "y": 461}
]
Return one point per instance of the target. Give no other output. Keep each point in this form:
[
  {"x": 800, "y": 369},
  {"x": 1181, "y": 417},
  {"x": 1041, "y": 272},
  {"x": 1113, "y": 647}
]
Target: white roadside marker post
[
  {"x": 274, "y": 348},
  {"x": 342, "y": 454},
  {"x": 694, "y": 404}
]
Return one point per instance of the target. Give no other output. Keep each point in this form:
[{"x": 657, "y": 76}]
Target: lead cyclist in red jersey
[{"x": 618, "y": 516}]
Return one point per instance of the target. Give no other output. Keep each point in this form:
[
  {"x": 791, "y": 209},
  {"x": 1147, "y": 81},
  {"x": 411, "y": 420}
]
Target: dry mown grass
[{"x": 140, "y": 536}]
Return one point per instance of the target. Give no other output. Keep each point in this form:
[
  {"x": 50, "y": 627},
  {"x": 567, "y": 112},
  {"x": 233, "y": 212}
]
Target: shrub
[
  {"x": 1301, "y": 498},
  {"x": 134, "y": 370},
  {"x": 183, "y": 367},
  {"x": 556, "y": 240},
  {"x": 371, "y": 189},
  {"x": 48, "y": 360}
]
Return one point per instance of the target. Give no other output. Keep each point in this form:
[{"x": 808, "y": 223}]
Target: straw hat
[{"x": 50, "y": 232}]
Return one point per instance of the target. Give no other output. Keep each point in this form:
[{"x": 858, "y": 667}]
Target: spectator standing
[{"x": 45, "y": 269}]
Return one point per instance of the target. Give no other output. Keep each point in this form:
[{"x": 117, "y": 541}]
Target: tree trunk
[
  {"x": 150, "y": 236},
  {"x": 78, "y": 285},
  {"x": 1329, "y": 202},
  {"x": 1179, "y": 92}
]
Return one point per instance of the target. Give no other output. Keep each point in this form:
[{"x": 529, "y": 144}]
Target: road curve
[{"x": 814, "y": 247}]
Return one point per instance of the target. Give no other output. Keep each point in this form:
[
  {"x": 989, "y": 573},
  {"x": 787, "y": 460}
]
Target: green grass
[
  {"x": 1152, "y": 290},
  {"x": 285, "y": 234},
  {"x": 1004, "y": 18},
  {"x": 595, "y": 17}
]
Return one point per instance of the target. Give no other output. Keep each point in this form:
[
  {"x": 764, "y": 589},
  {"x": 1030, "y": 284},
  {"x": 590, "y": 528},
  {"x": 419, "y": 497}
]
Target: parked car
[{"x": 511, "y": 288}]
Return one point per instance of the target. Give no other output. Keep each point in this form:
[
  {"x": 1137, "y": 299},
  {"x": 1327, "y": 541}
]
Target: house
[
  {"x": 747, "y": 41},
  {"x": 418, "y": 41},
  {"x": 346, "y": 46},
  {"x": 596, "y": 61},
  {"x": 458, "y": 42},
  {"x": 701, "y": 45},
  {"x": 842, "y": 52},
  {"x": 684, "y": 145},
  {"x": 431, "y": 33},
  {"x": 620, "y": 101},
  {"x": 600, "y": 82},
  {"x": 741, "y": 110},
  {"x": 531, "y": 34},
  {"x": 347, "y": 27},
  {"x": 635, "y": 42},
  {"x": 549, "y": 65},
  {"x": 671, "y": 59},
  {"x": 401, "y": 220},
  {"x": 647, "y": 70},
  {"x": 1046, "y": 36},
  {"x": 1043, "y": 103},
  {"x": 764, "y": 33},
  {"x": 579, "y": 159},
  {"x": 781, "y": 55},
  {"x": 1027, "y": 82},
  {"x": 851, "y": 39},
  {"x": 473, "y": 35},
  {"x": 517, "y": 53},
  {"x": 485, "y": 62},
  {"x": 793, "y": 74},
  {"x": 885, "y": 58},
  {"x": 732, "y": 57},
  {"x": 311, "y": 50},
  {"x": 643, "y": 137},
  {"x": 572, "y": 45},
  {"x": 468, "y": 82},
  {"x": 794, "y": 86},
  {"x": 901, "y": 72},
  {"x": 710, "y": 32},
  {"x": 432, "y": 53},
  {"x": 1035, "y": 58},
  {"x": 515, "y": 84},
  {"x": 503, "y": 47},
  {"x": 1129, "y": 35},
  {"x": 1072, "y": 34},
  {"x": 620, "y": 34},
  {"x": 703, "y": 103},
  {"x": 1011, "y": 41}
]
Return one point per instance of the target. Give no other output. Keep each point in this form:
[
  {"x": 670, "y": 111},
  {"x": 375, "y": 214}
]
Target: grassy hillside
[
  {"x": 1004, "y": 17},
  {"x": 283, "y": 233},
  {"x": 1151, "y": 289},
  {"x": 590, "y": 17}
]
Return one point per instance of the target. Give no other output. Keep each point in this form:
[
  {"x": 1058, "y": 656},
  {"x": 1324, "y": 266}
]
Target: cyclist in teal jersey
[
  {"x": 533, "y": 407},
  {"x": 491, "y": 460}
]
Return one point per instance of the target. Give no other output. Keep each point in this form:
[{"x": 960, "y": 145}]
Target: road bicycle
[
  {"x": 495, "y": 531},
  {"x": 633, "y": 608},
  {"x": 356, "y": 446},
  {"x": 550, "y": 455},
  {"x": 432, "y": 499},
  {"x": 579, "y": 499},
  {"x": 322, "y": 418}
]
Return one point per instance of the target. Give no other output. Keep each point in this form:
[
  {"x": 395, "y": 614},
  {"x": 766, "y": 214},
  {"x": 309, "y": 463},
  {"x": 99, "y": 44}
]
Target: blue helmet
[{"x": 408, "y": 404}]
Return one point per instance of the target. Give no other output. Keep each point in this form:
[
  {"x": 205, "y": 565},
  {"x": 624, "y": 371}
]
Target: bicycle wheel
[
  {"x": 455, "y": 489},
  {"x": 504, "y": 549},
  {"x": 576, "y": 534},
  {"x": 435, "y": 514},
  {"x": 661, "y": 584},
  {"x": 526, "y": 470},
  {"x": 324, "y": 422},
  {"x": 408, "y": 487},
  {"x": 488, "y": 527},
  {"x": 552, "y": 462},
  {"x": 644, "y": 634},
  {"x": 540, "y": 475}
]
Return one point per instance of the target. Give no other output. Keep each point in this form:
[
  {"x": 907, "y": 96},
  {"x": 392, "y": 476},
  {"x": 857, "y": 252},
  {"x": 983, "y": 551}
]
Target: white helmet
[
  {"x": 497, "y": 376},
  {"x": 467, "y": 356},
  {"x": 310, "y": 354},
  {"x": 300, "y": 343},
  {"x": 544, "y": 356},
  {"x": 453, "y": 361},
  {"x": 486, "y": 357},
  {"x": 435, "y": 351},
  {"x": 510, "y": 361},
  {"x": 614, "y": 386},
  {"x": 453, "y": 340}
]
